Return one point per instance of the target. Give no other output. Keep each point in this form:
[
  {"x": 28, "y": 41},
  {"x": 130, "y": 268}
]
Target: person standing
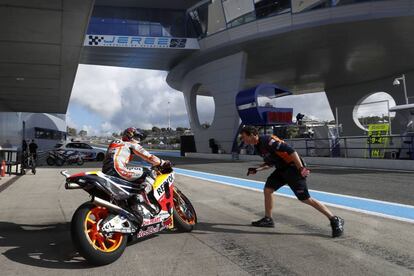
[
  {"x": 33, "y": 149},
  {"x": 289, "y": 170}
]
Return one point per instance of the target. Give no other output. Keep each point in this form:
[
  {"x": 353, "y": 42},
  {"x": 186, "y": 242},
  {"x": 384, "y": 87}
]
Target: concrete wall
[
  {"x": 222, "y": 79},
  {"x": 347, "y": 97}
]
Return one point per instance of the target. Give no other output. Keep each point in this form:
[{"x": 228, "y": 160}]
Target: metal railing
[{"x": 378, "y": 147}]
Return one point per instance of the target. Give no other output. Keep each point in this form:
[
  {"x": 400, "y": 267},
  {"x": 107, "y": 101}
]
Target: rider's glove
[
  {"x": 304, "y": 172},
  {"x": 165, "y": 164},
  {"x": 251, "y": 171}
]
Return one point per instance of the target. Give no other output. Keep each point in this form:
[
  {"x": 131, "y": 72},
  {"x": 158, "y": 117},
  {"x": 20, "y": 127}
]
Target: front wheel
[
  {"x": 59, "y": 162},
  {"x": 185, "y": 217},
  {"x": 92, "y": 244}
]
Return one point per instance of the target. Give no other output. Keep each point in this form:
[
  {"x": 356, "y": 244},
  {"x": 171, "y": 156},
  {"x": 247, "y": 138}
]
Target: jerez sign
[{"x": 140, "y": 42}]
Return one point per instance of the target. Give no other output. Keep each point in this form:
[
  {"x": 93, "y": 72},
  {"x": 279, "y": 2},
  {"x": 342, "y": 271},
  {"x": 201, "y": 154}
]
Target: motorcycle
[
  {"x": 120, "y": 210},
  {"x": 59, "y": 158}
]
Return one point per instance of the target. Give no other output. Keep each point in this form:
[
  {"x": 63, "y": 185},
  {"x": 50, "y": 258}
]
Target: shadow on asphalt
[
  {"x": 48, "y": 246},
  {"x": 207, "y": 228}
]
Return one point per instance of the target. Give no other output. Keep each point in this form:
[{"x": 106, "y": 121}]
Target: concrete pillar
[
  {"x": 347, "y": 97},
  {"x": 222, "y": 79}
]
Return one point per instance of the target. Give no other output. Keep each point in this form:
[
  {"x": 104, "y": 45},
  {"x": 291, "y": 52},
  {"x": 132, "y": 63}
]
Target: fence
[{"x": 386, "y": 146}]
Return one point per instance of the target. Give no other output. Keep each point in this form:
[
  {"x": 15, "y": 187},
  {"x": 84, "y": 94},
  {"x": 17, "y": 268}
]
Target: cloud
[
  {"x": 70, "y": 122},
  {"x": 125, "y": 97}
]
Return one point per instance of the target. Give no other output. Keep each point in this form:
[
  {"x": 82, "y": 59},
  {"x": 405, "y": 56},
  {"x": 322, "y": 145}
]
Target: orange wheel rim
[
  {"x": 95, "y": 237},
  {"x": 177, "y": 202}
]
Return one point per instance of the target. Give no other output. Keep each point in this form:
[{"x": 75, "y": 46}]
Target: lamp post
[
  {"x": 169, "y": 116},
  {"x": 397, "y": 82}
]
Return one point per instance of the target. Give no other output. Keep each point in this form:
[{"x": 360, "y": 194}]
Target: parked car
[
  {"x": 87, "y": 151},
  {"x": 60, "y": 157}
]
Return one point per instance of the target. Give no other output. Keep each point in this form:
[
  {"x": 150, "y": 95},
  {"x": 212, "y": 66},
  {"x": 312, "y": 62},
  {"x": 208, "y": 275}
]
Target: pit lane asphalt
[
  {"x": 34, "y": 236},
  {"x": 392, "y": 186}
]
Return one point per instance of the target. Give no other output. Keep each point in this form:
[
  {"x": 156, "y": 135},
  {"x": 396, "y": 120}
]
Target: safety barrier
[{"x": 378, "y": 147}]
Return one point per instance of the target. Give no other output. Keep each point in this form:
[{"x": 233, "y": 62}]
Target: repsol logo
[{"x": 161, "y": 189}]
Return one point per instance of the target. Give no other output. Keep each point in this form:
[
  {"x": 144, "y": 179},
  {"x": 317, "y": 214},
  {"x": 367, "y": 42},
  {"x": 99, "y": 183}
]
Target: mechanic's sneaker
[
  {"x": 264, "y": 222},
  {"x": 337, "y": 225}
]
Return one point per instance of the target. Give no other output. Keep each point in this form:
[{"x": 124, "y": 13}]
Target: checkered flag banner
[{"x": 95, "y": 40}]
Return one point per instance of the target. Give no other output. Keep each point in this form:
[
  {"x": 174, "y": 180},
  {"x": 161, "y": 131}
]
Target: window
[
  {"x": 265, "y": 8},
  {"x": 143, "y": 29},
  {"x": 85, "y": 146},
  {"x": 72, "y": 145},
  {"x": 50, "y": 134},
  {"x": 155, "y": 29}
]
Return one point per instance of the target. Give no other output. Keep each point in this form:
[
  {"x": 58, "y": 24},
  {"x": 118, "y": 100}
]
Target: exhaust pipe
[
  {"x": 72, "y": 186},
  {"x": 100, "y": 202}
]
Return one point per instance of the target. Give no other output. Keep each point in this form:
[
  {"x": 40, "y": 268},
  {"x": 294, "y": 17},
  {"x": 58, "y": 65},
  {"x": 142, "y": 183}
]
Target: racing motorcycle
[{"x": 120, "y": 210}]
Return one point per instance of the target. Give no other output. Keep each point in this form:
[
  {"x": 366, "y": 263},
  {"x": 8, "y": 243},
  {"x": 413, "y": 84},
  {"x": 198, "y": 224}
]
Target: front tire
[
  {"x": 59, "y": 162},
  {"x": 96, "y": 248},
  {"x": 185, "y": 217}
]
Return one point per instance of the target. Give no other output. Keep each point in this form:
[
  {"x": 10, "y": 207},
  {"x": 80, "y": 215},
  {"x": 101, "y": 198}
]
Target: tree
[
  {"x": 156, "y": 129},
  {"x": 83, "y": 133},
  {"x": 292, "y": 132},
  {"x": 180, "y": 129},
  {"x": 163, "y": 129},
  {"x": 71, "y": 131}
]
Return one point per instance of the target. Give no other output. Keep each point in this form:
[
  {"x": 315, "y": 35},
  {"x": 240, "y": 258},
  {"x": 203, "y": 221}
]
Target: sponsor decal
[
  {"x": 161, "y": 188},
  {"x": 150, "y": 230},
  {"x": 152, "y": 221},
  {"x": 168, "y": 222},
  {"x": 140, "y": 42}
]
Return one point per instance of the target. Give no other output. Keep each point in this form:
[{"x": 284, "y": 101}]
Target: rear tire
[
  {"x": 182, "y": 221},
  {"x": 80, "y": 162},
  {"x": 50, "y": 161},
  {"x": 93, "y": 252}
]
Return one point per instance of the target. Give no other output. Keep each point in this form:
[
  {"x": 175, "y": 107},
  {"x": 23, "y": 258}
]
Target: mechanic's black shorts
[{"x": 292, "y": 177}]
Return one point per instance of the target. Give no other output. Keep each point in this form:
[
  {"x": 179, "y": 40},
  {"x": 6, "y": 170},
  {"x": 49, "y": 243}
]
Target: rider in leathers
[{"x": 120, "y": 152}]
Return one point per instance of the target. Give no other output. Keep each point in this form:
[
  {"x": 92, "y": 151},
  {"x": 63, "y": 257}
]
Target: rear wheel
[
  {"x": 93, "y": 245},
  {"x": 80, "y": 162},
  {"x": 185, "y": 217},
  {"x": 50, "y": 161}
]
